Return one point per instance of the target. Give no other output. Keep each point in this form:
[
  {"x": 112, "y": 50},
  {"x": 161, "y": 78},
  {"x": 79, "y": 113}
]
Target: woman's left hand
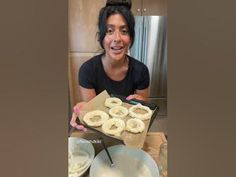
[
  {"x": 135, "y": 96},
  {"x": 75, "y": 115}
]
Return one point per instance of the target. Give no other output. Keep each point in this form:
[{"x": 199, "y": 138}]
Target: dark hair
[
  {"x": 111, "y": 8},
  {"x": 126, "y": 3}
]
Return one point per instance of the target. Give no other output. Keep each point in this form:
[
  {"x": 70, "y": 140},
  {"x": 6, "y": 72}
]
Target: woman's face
[{"x": 117, "y": 40}]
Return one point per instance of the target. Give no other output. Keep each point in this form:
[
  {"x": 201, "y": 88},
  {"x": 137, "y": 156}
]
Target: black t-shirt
[{"x": 93, "y": 76}]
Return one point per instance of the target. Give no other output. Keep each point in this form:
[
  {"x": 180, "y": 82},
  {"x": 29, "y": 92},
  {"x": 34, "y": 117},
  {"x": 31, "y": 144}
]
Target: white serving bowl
[{"x": 80, "y": 156}]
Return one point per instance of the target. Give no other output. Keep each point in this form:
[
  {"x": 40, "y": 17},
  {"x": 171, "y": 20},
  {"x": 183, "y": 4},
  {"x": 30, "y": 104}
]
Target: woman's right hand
[{"x": 76, "y": 111}]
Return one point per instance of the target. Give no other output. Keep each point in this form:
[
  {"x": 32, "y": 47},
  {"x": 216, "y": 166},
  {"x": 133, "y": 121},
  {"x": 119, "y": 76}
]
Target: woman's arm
[{"x": 87, "y": 94}]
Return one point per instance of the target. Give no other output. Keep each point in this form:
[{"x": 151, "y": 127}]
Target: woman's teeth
[{"x": 116, "y": 48}]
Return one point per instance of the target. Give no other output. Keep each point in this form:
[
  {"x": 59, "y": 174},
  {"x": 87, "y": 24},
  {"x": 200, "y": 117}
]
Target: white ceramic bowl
[{"x": 83, "y": 151}]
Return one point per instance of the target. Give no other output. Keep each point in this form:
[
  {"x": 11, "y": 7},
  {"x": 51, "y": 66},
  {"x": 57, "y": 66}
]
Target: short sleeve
[
  {"x": 86, "y": 78},
  {"x": 144, "y": 79}
]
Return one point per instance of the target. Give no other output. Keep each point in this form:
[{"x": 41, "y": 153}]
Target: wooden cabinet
[
  {"x": 137, "y": 7},
  {"x": 74, "y": 63},
  {"x": 149, "y": 7},
  {"x": 83, "y": 44},
  {"x": 83, "y": 19}
]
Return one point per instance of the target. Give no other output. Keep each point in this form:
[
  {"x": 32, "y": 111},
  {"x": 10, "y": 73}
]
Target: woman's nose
[{"x": 117, "y": 36}]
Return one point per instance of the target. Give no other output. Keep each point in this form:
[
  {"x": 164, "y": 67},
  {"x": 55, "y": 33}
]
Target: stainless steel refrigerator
[{"x": 150, "y": 47}]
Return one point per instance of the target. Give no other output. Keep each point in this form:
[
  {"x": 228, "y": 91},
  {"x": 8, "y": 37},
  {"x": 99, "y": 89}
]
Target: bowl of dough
[{"x": 80, "y": 156}]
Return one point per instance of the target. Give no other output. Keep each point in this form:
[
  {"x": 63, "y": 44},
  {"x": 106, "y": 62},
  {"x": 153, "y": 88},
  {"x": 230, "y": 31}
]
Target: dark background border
[
  {"x": 34, "y": 89},
  {"x": 34, "y": 98},
  {"x": 201, "y": 88}
]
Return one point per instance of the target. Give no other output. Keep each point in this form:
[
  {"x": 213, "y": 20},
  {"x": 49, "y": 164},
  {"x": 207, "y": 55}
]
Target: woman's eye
[
  {"x": 109, "y": 31},
  {"x": 124, "y": 31}
]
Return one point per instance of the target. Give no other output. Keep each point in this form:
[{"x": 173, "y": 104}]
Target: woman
[{"x": 113, "y": 70}]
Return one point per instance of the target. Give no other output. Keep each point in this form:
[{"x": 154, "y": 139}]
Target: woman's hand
[
  {"x": 135, "y": 96},
  {"x": 75, "y": 115},
  {"x": 139, "y": 95}
]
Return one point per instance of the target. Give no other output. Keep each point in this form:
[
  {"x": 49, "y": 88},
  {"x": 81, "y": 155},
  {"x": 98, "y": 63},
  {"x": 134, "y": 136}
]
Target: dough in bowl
[{"x": 78, "y": 161}]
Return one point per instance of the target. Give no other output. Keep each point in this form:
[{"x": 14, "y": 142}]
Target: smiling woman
[{"x": 113, "y": 70}]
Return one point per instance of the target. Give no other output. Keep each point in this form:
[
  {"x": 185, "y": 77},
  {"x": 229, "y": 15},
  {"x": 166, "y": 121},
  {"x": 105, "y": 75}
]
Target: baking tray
[{"x": 152, "y": 106}]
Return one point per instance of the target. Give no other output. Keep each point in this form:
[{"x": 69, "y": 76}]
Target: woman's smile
[{"x": 117, "y": 49}]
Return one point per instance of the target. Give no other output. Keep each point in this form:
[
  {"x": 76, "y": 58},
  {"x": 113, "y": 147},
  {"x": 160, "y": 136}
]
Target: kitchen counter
[
  {"x": 151, "y": 146},
  {"x": 159, "y": 124}
]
